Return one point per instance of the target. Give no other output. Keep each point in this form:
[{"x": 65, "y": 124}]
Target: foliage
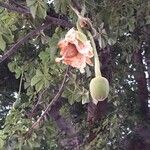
[{"x": 122, "y": 26}]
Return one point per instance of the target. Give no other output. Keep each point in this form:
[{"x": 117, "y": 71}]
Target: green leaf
[
  {"x": 85, "y": 97},
  {"x": 37, "y": 78},
  {"x": 41, "y": 10},
  {"x": 57, "y": 5},
  {"x": 112, "y": 41},
  {"x": 39, "y": 85},
  {"x": 18, "y": 72},
  {"x": 12, "y": 66},
  {"x": 53, "y": 41},
  {"x": 112, "y": 37},
  {"x": 30, "y": 2},
  {"x": 131, "y": 24},
  {"x": 2, "y": 43},
  {"x": 1, "y": 143},
  {"x": 17, "y": 103},
  {"x": 33, "y": 10},
  {"x": 44, "y": 56},
  {"x": 39, "y": 73},
  {"x": 53, "y": 45},
  {"x": 61, "y": 6}
]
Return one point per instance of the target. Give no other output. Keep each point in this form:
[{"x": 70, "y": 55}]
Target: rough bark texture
[
  {"x": 140, "y": 136},
  {"x": 141, "y": 82},
  {"x": 147, "y": 53},
  {"x": 139, "y": 141},
  {"x": 65, "y": 127}
]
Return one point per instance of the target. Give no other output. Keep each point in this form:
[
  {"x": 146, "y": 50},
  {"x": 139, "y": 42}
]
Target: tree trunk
[
  {"x": 141, "y": 82},
  {"x": 65, "y": 126}
]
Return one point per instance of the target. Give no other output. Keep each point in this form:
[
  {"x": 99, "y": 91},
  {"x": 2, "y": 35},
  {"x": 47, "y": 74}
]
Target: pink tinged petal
[
  {"x": 71, "y": 51},
  {"x": 85, "y": 49},
  {"x": 78, "y": 61},
  {"x": 62, "y": 45},
  {"x": 71, "y": 35},
  {"x": 88, "y": 61}
]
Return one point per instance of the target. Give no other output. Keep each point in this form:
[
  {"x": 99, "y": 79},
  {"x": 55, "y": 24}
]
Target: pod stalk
[{"x": 96, "y": 59}]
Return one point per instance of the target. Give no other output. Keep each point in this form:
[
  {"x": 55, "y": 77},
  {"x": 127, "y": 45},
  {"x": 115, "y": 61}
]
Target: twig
[
  {"x": 77, "y": 5},
  {"x": 39, "y": 100},
  {"x": 51, "y": 104}
]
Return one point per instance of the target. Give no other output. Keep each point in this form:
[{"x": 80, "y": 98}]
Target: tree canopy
[{"x": 74, "y": 74}]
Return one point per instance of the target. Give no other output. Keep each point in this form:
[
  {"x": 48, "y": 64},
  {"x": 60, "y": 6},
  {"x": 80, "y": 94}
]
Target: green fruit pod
[{"x": 99, "y": 89}]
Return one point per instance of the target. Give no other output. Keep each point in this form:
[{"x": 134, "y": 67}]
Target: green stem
[
  {"x": 78, "y": 26},
  {"x": 20, "y": 85},
  {"x": 96, "y": 59}
]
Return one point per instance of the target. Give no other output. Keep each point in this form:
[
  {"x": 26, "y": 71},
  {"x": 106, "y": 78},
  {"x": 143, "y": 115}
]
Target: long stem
[
  {"x": 96, "y": 59},
  {"x": 20, "y": 85}
]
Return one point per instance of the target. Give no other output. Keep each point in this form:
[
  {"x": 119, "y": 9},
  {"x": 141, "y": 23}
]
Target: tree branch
[
  {"x": 48, "y": 21},
  {"x": 18, "y": 5},
  {"x": 61, "y": 22},
  {"x": 39, "y": 100},
  {"x": 15, "y": 9},
  {"x": 51, "y": 104},
  {"x": 15, "y": 47},
  {"x": 26, "y": 11},
  {"x": 141, "y": 82}
]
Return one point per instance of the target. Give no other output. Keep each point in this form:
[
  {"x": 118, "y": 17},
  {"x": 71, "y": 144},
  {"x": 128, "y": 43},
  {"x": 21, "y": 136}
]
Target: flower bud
[{"x": 99, "y": 89}]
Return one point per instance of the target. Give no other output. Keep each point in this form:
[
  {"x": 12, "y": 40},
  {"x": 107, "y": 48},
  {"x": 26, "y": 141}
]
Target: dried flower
[{"x": 76, "y": 50}]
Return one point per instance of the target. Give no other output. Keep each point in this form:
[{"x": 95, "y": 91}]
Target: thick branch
[
  {"x": 25, "y": 10},
  {"x": 141, "y": 82},
  {"x": 65, "y": 126},
  {"x": 60, "y": 22},
  {"x": 48, "y": 21},
  {"x": 15, "y": 47},
  {"x": 15, "y": 9},
  {"x": 17, "y": 4}
]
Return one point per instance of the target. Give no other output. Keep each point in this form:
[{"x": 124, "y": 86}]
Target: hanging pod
[{"x": 99, "y": 89}]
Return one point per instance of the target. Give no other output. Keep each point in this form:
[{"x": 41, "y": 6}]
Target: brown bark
[
  {"x": 141, "y": 82},
  {"x": 65, "y": 127},
  {"x": 147, "y": 52},
  {"x": 140, "y": 139}
]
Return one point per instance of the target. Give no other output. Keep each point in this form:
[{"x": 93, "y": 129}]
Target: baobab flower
[{"x": 75, "y": 50}]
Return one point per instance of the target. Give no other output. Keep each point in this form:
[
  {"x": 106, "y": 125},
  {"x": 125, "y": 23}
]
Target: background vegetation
[{"x": 45, "y": 105}]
